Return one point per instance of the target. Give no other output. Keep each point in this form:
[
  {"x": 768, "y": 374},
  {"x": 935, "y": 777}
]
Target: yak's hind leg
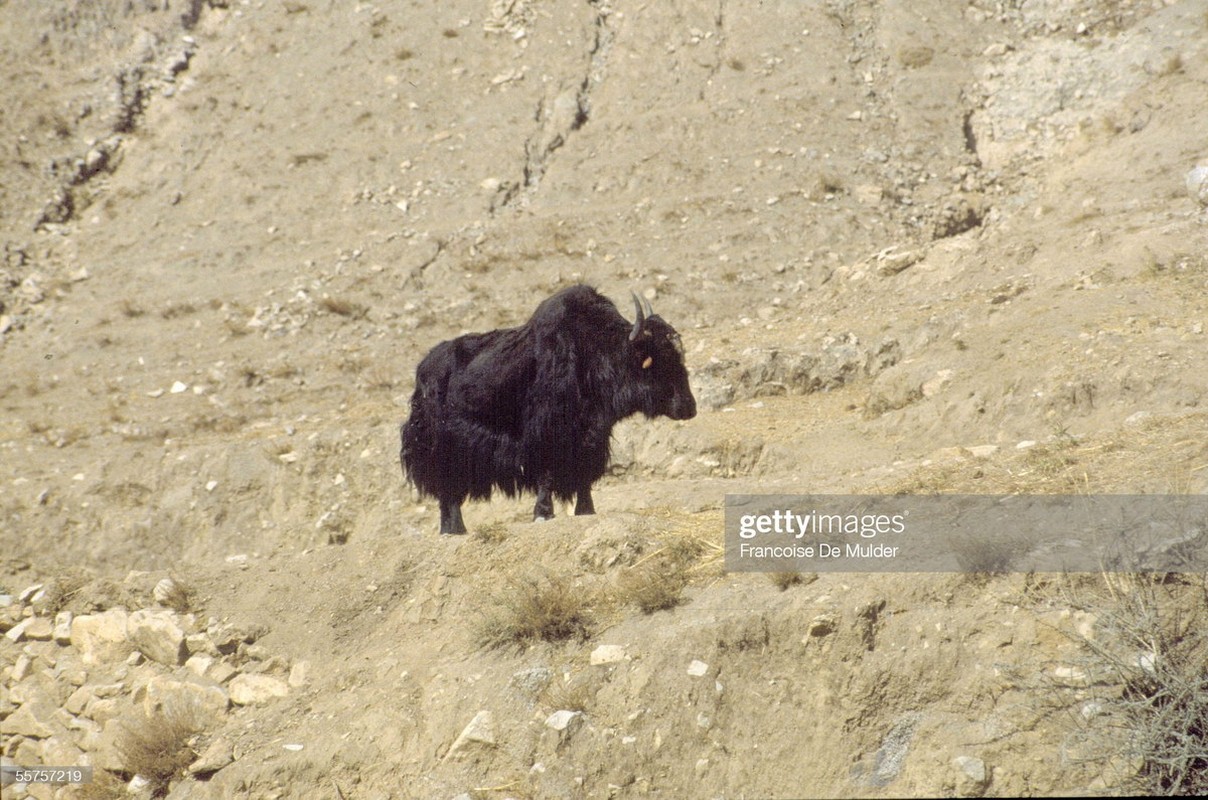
[
  {"x": 544, "y": 509},
  {"x": 583, "y": 503},
  {"x": 450, "y": 517}
]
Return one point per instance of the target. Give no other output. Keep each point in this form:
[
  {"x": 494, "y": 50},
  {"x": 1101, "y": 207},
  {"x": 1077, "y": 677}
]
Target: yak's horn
[{"x": 640, "y": 320}]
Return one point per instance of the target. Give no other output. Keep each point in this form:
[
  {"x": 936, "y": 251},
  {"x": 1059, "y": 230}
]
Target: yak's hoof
[{"x": 453, "y": 533}]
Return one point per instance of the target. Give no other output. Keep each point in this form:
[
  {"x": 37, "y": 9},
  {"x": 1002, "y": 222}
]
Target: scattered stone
[
  {"x": 28, "y": 594},
  {"x": 972, "y": 777},
  {"x": 157, "y": 636},
  {"x": 299, "y": 674},
  {"x": 1070, "y": 676},
  {"x": 564, "y": 721},
  {"x": 101, "y": 637},
  {"x": 222, "y": 672},
  {"x": 22, "y": 722},
  {"x": 607, "y": 654},
  {"x": 1197, "y": 184},
  {"x": 201, "y": 697},
  {"x": 200, "y": 643},
  {"x": 40, "y": 629},
  {"x": 480, "y": 730},
  {"x": 532, "y": 680},
  {"x": 62, "y": 628},
  {"x": 166, "y": 591},
  {"x": 254, "y": 690},
  {"x": 821, "y": 625},
  {"x": 697, "y": 668},
  {"x": 17, "y": 632},
  {"x": 78, "y": 700},
  {"x": 22, "y": 668},
  {"x": 217, "y": 755},
  {"x": 199, "y": 663}
]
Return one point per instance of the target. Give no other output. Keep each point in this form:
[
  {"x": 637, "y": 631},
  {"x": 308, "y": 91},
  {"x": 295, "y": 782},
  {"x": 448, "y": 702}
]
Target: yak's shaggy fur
[{"x": 532, "y": 408}]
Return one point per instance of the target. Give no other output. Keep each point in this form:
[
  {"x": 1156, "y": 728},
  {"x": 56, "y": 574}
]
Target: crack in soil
[{"x": 566, "y": 113}]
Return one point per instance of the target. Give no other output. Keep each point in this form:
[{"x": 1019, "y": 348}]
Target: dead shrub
[
  {"x": 568, "y": 695},
  {"x": 651, "y": 587},
  {"x": 491, "y": 533},
  {"x": 783, "y": 580},
  {"x": 159, "y": 746},
  {"x": 1147, "y": 722},
  {"x": 546, "y": 608}
]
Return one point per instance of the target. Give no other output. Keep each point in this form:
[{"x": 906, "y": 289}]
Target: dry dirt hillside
[{"x": 950, "y": 246}]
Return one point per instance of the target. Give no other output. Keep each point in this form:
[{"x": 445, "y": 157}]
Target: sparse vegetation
[
  {"x": 159, "y": 746},
  {"x": 176, "y": 595},
  {"x": 1146, "y": 720},
  {"x": 547, "y": 608},
  {"x": 491, "y": 533},
  {"x": 651, "y": 588},
  {"x": 784, "y": 580}
]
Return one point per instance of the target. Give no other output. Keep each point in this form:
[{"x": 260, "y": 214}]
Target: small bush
[
  {"x": 783, "y": 580},
  {"x": 547, "y": 608},
  {"x": 159, "y": 746},
  {"x": 1151, "y": 654},
  {"x": 652, "y": 587},
  {"x": 491, "y": 533},
  {"x": 573, "y": 695}
]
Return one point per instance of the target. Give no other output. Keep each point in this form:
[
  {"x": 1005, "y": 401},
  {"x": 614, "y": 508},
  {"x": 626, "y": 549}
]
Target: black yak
[{"x": 532, "y": 408}]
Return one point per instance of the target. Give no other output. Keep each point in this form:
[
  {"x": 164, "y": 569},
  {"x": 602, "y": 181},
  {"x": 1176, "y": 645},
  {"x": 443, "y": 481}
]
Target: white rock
[
  {"x": 252, "y": 690},
  {"x": 563, "y": 720},
  {"x": 1197, "y": 184},
  {"x": 972, "y": 777},
  {"x": 29, "y": 592},
  {"x": 697, "y": 668},
  {"x": 216, "y": 756},
  {"x": 299, "y": 674},
  {"x": 101, "y": 637},
  {"x": 199, "y": 663},
  {"x": 23, "y": 722},
  {"x": 480, "y": 730},
  {"x": 155, "y": 632},
  {"x": 62, "y": 629},
  {"x": 190, "y": 694},
  {"x": 165, "y": 591},
  {"x": 607, "y": 654}
]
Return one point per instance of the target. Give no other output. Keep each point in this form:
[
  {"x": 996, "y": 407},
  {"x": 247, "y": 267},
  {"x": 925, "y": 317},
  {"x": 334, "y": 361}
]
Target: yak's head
[{"x": 657, "y": 355}]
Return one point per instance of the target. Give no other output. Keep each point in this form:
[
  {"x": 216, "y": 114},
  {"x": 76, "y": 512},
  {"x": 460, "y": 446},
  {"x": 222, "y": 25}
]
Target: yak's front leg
[
  {"x": 544, "y": 509},
  {"x": 450, "y": 517},
  {"x": 583, "y": 503}
]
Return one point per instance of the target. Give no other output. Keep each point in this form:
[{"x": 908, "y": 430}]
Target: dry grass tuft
[
  {"x": 159, "y": 747},
  {"x": 176, "y": 595},
  {"x": 568, "y": 695},
  {"x": 491, "y": 533},
  {"x": 546, "y": 608},
  {"x": 783, "y": 580},
  {"x": 103, "y": 786},
  {"x": 651, "y": 587}
]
